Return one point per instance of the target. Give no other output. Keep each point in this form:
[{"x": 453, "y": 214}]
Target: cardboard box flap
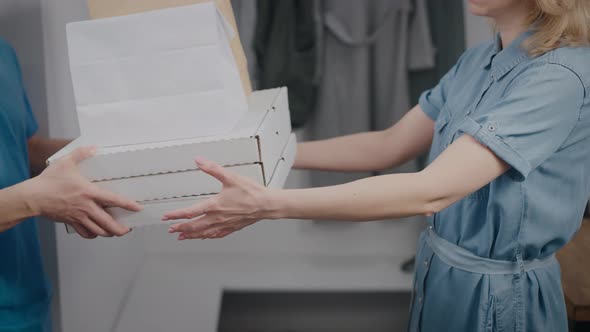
[
  {"x": 132, "y": 74},
  {"x": 110, "y": 8}
]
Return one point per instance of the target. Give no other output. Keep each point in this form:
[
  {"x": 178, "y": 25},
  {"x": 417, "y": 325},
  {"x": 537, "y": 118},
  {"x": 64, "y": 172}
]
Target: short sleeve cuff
[
  {"x": 32, "y": 125},
  {"x": 32, "y": 128},
  {"x": 485, "y": 134},
  {"x": 427, "y": 107}
]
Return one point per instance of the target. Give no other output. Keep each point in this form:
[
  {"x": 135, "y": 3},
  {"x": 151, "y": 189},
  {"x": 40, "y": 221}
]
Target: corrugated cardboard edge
[
  {"x": 270, "y": 136},
  {"x": 109, "y": 8}
]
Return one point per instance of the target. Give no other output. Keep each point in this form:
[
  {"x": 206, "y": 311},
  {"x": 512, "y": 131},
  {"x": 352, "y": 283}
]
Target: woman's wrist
[{"x": 276, "y": 204}]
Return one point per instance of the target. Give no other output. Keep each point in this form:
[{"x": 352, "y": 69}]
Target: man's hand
[{"x": 62, "y": 194}]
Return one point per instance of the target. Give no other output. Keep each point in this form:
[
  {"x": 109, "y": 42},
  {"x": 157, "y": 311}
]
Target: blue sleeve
[
  {"x": 432, "y": 101},
  {"x": 533, "y": 119},
  {"x": 31, "y": 122}
]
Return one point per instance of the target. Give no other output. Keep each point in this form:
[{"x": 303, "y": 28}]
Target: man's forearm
[
  {"x": 15, "y": 205},
  {"x": 42, "y": 148}
]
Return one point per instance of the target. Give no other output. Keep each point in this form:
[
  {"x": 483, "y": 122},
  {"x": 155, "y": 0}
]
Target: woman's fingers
[
  {"x": 220, "y": 233},
  {"x": 194, "y": 226},
  {"x": 191, "y": 212},
  {"x": 215, "y": 231},
  {"x": 220, "y": 173}
]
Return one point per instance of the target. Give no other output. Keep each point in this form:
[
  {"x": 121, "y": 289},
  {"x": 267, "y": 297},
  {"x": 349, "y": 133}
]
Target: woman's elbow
[{"x": 433, "y": 206}]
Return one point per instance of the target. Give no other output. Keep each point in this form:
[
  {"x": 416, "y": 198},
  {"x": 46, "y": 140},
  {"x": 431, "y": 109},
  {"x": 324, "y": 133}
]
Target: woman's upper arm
[
  {"x": 410, "y": 137},
  {"x": 523, "y": 129},
  {"x": 532, "y": 120}
]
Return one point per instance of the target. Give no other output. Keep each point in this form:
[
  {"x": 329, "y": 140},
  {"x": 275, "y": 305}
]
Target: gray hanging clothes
[
  {"x": 368, "y": 49},
  {"x": 245, "y": 13},
  {"x": 447, "y": 26},
  {"x": 285, "y": 46}
]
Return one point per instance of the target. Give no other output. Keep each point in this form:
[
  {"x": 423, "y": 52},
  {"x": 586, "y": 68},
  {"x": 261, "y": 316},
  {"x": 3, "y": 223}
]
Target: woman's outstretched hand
[{"x": 241, "y": 203}]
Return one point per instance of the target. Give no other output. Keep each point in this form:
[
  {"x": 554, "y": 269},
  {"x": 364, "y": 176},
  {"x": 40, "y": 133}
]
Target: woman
[{"x": 508, "y": 130}]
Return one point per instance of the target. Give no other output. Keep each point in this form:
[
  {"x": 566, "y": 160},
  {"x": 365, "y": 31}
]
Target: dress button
[
  {"x": 492, "y": 127},
  {"x": 426, "y": 262},
  {"x": 420, "y": 299}
]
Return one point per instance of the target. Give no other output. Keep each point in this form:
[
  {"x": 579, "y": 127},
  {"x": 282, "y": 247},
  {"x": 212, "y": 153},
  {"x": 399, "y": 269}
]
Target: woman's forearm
[
  {"x": 358, "y": 152},
  {"x": 375, "y": 198},
  {"x": 371, "y": 151},
  {"x": 15, "y": 205}
]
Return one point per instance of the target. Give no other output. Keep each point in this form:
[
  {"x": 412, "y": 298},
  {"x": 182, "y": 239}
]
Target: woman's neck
[{"x": 512, "y": 23}]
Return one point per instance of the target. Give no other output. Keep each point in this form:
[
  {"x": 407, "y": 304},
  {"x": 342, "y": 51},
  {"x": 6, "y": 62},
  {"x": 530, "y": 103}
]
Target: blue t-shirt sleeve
[
  {"x": 30, "y": 122},
  {"x": 533, "y": 119},
  {"x": 432, "y": 101}
]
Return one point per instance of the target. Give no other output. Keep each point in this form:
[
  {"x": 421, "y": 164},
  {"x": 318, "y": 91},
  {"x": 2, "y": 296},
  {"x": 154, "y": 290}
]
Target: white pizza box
[
  {"x": 186, "y": 183},
  {"x": 156, "y": 75},
  {"x": 258, "y": 138},
  {"x": 154, "y": 210}
]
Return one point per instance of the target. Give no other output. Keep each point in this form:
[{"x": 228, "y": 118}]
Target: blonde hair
[{"x": 558, "y": 23}]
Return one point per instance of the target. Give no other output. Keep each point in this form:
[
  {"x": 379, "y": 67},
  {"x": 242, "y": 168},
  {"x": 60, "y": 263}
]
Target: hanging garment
[
  {"x": 285, "y": 49},
  {"x": 245, "y": 13},
  {"x": 368, "y": 47},
  {"x": 447, "y": 28}
]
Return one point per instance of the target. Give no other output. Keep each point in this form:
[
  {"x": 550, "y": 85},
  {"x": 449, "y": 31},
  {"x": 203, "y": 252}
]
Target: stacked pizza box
[{"x": 156, "y": 89}]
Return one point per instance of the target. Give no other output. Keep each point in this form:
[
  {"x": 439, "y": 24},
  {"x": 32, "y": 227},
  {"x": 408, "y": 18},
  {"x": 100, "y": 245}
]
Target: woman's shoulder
[{"x": 575, "y": 59}]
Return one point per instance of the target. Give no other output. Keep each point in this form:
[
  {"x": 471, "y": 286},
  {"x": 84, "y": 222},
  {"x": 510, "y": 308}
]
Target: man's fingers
[
  {"x": 106, "y": 222},
  {"x": 82, "y": 153},
  {"x": 83, "y": 232},
  {"x": 93, "y": 227},
  {"x": 223, "y": 175},
  {"x": 110, "y": 199},
  {"x": 190, "y": 212}
]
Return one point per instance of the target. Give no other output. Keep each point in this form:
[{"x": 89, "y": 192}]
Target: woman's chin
[{"x": 477, "y": 9}]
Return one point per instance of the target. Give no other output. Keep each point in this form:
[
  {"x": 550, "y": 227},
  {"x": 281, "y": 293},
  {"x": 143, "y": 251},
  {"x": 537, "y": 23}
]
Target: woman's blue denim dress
[{"x": 487, "y": 263}]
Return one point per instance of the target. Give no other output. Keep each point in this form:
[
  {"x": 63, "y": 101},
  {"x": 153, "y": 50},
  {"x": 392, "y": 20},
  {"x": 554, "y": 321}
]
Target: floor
[{"x": 314, "y": 312}]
